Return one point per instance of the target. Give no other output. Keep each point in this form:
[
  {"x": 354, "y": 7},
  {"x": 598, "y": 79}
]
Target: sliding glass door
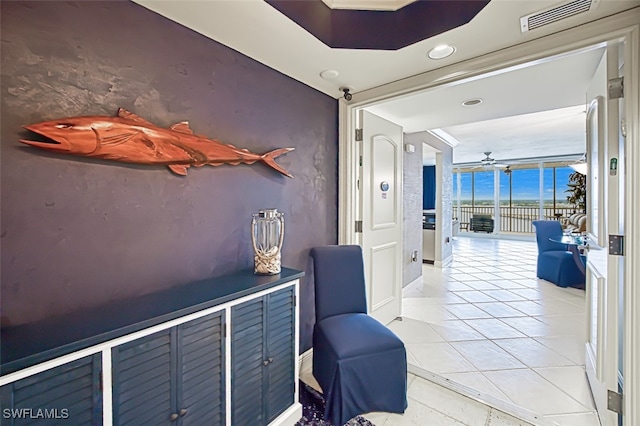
[{"x": 519, "y": 195}]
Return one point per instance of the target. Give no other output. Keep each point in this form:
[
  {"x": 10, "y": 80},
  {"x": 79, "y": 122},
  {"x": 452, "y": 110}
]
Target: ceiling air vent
[{"x": 548, "y": 16}]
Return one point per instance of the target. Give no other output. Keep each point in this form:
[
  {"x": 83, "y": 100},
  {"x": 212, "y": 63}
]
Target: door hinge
[
  {"x": 616, "y": 88},
  {"x": 224, "y": 332},
  {"x": 358, "y": 135},
  {"x": 359, "y": 226},
  {"x": 295, "y": 300},
  {"x": 616, "y": 245},
  {"x": 614, "y": 401}
]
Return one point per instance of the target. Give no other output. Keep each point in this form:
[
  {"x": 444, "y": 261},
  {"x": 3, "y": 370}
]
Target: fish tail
[{"x": 270, "y": 157}]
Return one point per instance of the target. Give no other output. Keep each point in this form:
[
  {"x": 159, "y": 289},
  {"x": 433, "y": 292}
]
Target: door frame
[
  {"x": 624, "y": 27},
  {"x": 602, "y": 271}
]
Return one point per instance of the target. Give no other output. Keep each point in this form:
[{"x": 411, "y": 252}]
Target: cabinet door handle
[
  {"x": 173, "y": 417},
  {"x": 183, "y": 412},
  {"x": 267, "y": 361}
]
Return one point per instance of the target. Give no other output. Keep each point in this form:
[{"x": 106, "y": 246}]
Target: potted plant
[{"x": 577, "y": 192}]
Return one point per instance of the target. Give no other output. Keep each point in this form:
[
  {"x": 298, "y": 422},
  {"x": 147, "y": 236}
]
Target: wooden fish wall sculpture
[{"x": 132, "y": 139}]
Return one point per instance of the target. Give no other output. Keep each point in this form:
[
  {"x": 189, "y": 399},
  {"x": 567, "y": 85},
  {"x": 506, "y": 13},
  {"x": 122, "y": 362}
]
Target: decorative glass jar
[{"x": 267, "y": 234}]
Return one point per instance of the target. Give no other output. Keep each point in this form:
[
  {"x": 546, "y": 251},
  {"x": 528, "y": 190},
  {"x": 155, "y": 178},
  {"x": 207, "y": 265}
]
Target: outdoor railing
[{"x": 514, "y": 218}]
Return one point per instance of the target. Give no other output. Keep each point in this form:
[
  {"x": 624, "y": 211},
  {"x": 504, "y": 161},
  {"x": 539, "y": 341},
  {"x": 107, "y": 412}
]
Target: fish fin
[
  {"x": 114, "y": 140},
  {"x": 123, "y": 113},
  {"x": 270, "y": 157},
  {"x": 148, "y": 143},
  {"x": 230, "y": 163},
  {"x": 179, "y": 169},
  {"x": 182, "y": 127}
]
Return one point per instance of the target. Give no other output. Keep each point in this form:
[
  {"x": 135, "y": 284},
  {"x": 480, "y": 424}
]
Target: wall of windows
[
  {"x": 519, "y": 195},
  {"x": 555, "y": 185},
  {"x": 477, "y": 188},
  {"x": 483, "y": 188}
]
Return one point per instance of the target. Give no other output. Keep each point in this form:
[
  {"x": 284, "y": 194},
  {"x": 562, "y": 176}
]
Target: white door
[
  {"x": 381, "y": 212},
  {"x": 605, "y": 151}
]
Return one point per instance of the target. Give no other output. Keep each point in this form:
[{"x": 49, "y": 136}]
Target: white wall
[
  {"x": 444, "y": 191},
  {"x": 412, "y": 213}
]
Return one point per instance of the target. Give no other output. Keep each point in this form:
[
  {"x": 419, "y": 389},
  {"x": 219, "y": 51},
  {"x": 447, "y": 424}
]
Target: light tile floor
[
  {"x": 433, "y": 405},
  {"x": 486, "y": 322}
]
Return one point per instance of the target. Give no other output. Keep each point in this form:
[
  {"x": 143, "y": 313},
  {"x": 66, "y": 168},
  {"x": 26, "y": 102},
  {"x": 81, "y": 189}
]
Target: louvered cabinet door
[
  {"x": 262, "y": 358},
  {"x": 247, "y": 363},
  {"x": 280, "y": 324},
  {"x": 144, "y": 380},
  {"x": 201, "y": 396},
  {"x": 68, "y": 394}
]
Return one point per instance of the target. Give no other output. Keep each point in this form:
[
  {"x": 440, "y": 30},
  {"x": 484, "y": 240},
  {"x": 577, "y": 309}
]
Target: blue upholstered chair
[
  {"x": 360, "y": 364},
  {"x": 555, "y": 262}
]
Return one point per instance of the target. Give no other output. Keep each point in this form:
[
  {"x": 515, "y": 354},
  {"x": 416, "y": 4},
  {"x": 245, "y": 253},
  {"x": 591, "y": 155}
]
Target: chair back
[
  {"x": 546, "y": 229},
  {"x": 339, "y": 280}
]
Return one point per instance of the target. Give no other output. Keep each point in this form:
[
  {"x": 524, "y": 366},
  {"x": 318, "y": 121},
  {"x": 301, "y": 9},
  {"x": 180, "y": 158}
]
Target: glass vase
[{"x": 267, "y": 234}]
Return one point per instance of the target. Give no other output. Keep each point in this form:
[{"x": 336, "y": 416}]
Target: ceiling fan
[{"x": 488, "y": 162}]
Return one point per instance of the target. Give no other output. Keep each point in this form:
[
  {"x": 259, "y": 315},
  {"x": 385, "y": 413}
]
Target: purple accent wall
[
  {"x": 79, "y": 232},
  {"x": 379, "y": 29}
]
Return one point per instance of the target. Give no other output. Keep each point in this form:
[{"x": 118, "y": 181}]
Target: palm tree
[{"x": 577, "y": 192}]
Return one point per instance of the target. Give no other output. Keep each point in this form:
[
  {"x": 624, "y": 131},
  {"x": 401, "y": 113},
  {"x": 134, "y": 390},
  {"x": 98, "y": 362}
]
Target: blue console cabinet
[
  {"x": 55, "y": 396},
  {"x": 176, "y": 374},
  {"x": 222, "y": 351},
  {"x": 263, "y": 358}
]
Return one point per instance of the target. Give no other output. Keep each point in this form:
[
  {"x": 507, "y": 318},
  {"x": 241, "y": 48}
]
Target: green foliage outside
[{"x": 577, "y": 192}]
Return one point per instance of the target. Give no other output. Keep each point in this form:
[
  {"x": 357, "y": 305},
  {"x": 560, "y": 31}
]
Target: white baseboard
[
  {"x": 306, "y": 360},
  {"x": 445, "y": 262},
  {"x": 290, "y": 417},
  {"x": 415, "y": 282}
]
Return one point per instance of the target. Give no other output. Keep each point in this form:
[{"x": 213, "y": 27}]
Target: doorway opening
[
  {"x": 444, "y": 215},
  {"x": 482, "y": 319}
]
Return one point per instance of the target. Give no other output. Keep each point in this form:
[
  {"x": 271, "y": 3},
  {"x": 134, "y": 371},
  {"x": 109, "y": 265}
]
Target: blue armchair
[
  {"x": 555, "y": 262},
  {"x": 360, "y": 364}
]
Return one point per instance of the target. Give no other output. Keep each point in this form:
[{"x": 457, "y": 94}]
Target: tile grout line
[
  {"x": 481, "y": 397},
  {"x": 544, "y": 296}
]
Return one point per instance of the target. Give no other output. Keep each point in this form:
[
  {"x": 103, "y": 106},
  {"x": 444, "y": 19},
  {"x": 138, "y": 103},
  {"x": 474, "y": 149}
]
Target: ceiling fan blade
[{"x": 487, "y": 161}]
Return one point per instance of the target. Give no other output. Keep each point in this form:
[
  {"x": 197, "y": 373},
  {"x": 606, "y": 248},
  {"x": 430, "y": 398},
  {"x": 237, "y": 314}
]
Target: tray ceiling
[{"x": 379, "y": 29}]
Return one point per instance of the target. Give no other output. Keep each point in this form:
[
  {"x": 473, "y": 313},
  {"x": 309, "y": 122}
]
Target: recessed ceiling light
[
  {"x": 472, "y": 102},
  {"x": 442, "y": 51},
  {"x": 329, "y": 74}
]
